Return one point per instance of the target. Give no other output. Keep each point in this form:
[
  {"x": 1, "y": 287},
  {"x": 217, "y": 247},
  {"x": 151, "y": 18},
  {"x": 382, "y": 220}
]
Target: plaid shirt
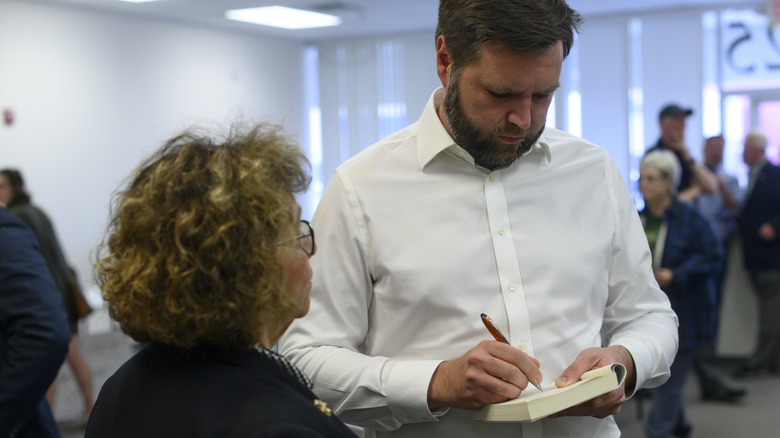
[
  {"x": 284, "y": 363},
  {"x": 693, "y": 254}
]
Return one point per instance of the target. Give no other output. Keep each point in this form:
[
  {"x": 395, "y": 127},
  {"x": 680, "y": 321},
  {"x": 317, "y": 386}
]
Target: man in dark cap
[{"x": 694, "y": 178}]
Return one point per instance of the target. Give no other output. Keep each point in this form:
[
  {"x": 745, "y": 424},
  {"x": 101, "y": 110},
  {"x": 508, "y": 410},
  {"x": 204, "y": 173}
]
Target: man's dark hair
[{"x": 523, "y": 25}]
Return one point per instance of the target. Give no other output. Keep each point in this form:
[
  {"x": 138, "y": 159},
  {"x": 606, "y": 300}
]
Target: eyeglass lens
[{"x": 307, "y": 238}]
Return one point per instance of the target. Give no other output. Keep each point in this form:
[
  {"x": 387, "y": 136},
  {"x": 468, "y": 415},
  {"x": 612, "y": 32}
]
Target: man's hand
[
  {"x": 592, "y": 358},
  {"x": 767, "y": 232},
  {"x": 676, "y": 142},
  {"x": 491, "y": 372},
  {"x": 663, "y": 276}
]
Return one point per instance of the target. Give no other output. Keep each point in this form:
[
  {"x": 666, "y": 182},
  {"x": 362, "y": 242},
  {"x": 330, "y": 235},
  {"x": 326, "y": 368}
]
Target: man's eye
[
  {"x": 498, "y": 95},
  {"x": 541, "y": 96}
]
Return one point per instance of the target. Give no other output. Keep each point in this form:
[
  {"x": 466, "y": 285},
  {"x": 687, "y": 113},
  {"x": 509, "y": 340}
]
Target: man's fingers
[
  {"x": 515, "y": 366},
  {"x": 600, "y": 407}
]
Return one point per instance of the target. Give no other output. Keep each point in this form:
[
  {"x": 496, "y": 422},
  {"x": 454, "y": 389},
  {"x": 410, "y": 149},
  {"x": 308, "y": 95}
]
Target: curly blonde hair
[{"x": 189, "y": 258}]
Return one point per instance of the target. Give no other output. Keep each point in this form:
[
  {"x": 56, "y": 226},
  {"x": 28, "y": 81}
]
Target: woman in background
[
  {"x": 685, "y": 254},
  {"x": 13, "y": 194},
  {"x": 206, "y": 261}
]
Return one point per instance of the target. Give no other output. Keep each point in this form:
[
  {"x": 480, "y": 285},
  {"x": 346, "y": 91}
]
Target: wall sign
[{"x": 750, "y": 51}]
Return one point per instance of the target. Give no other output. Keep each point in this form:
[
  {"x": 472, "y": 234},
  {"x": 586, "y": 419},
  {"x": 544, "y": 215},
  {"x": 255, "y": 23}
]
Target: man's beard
[{"x": 486, "y": 149}]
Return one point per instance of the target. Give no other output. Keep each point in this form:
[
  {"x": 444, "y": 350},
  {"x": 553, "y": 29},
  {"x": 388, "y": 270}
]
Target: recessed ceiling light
[{"x": 280, "y": 16}]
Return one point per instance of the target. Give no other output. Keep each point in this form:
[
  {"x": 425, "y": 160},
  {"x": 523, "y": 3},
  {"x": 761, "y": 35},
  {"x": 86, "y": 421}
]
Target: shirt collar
[
  {"x": 758, "y": 165},
  {"x": 433, "y": 137},
  {"x": 543, "y": 146}
]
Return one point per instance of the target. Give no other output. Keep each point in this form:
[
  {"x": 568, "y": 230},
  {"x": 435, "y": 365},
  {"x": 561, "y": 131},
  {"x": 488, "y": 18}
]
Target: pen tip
[{"x": 483, "y": 316}]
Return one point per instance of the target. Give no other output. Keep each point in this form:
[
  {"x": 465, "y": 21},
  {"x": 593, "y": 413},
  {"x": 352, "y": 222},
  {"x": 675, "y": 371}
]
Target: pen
[{"x": 500, "y": 338}]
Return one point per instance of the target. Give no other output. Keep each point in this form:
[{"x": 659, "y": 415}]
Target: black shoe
[
  {"x": 723, "y": 394},
  {"x": 684, "y": 432},
  {"x": 749, "y": 371}
]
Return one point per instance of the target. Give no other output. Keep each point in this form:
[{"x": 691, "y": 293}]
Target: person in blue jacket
[
  {"x": 686, "y": 255},
  {"x": 34, "y": 333}
]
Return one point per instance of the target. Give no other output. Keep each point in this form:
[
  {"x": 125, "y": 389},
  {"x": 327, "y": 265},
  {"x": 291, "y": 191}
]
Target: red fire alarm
[{"x": 8, "y": 116}]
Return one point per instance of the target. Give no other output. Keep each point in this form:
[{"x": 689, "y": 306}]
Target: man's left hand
[
  {"x": 592, "y": 358},
  {"x": 767, "y": 232},
  {"x": 663, "y": 276}
]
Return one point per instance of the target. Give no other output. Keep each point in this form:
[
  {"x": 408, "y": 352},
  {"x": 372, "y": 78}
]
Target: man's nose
[{"x": 520, "y": 114}]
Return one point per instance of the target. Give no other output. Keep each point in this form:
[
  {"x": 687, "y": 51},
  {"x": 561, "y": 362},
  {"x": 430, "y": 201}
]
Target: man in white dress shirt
[{"x": 477, "y": 208}]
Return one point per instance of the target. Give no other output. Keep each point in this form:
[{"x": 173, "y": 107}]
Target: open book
[{"x": 536, "y": 405}]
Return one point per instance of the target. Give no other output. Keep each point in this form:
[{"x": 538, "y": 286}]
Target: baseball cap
[{"x": 674, "y": 110}]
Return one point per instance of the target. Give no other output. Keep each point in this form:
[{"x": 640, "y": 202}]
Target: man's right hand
[
  {"x": 491, "y": 372},
  {"x": 676, "y": 142}
]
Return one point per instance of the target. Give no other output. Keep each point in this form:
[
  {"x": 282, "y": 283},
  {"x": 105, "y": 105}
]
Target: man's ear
[{"x": 443, "y": 61}]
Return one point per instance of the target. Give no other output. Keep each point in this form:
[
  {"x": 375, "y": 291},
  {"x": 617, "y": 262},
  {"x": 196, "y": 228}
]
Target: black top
[
  {"x": 41, "y": 226},
  {"x": 162, "y": 392}
]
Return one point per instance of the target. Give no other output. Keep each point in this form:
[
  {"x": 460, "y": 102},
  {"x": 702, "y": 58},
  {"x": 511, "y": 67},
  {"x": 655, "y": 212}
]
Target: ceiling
[{"x": 360, "y": 18}]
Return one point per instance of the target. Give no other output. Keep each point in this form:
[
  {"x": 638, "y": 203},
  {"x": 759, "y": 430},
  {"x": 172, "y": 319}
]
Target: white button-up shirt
[{"x": 415, "y": 242}]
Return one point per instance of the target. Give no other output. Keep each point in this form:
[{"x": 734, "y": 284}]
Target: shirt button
[
  {"x": 492, "y": 177},
  {"x": 511, "y": 287},
  {"x": 500, "y": 231}
]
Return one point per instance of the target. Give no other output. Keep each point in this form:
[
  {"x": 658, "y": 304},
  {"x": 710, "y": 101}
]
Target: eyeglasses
[{"x": 306, "y": 238}]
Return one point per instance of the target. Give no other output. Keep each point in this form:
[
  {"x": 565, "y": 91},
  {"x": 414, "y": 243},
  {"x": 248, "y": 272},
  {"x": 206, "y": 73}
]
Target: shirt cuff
[
  {"x": 407, "y": 390},
  {"x": 649, "y": 373}
]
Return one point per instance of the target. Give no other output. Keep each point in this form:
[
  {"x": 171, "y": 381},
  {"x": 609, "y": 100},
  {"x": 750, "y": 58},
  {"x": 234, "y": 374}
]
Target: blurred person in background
[
  {"x": 694, "y": 178},
  {"x": 759, "y": 224},
  {"x": 33, "y": 333},
  {"x": 720, "y": 209},
  {"x": 206, "y": 261},
  {"x": 14, "y": 194},
  {"x": 685, "y": 254}
]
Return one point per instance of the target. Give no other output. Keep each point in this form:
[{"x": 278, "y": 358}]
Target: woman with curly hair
[{"x": 206, "y": 261}]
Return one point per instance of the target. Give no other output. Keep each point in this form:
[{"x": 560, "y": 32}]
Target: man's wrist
[
  {"x": 435, "y": 401},
  {"x": 628, "y": 361}
]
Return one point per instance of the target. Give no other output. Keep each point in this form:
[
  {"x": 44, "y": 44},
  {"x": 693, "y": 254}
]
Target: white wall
[
  {"x": 94, "y": 93},
  {"x": 672, "y": 71},
  {"x": 604, "y": 68},
  {"x": 357, "y": 76}
]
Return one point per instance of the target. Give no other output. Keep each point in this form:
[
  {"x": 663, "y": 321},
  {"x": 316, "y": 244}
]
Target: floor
[{"x": 756, "y": 416}]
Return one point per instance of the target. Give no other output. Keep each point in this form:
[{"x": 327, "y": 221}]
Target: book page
[
  {"x": 535, "y": 405},
  {"x": 618, "y": 369}
]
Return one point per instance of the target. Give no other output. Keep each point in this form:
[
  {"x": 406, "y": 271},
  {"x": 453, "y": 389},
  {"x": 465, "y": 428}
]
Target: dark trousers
[
  {"x": 707, "y": 369},
  {"x": 706, "y": 363},
  {"x": 767, "y": 288},
  {"x": 667, "y": 416}
]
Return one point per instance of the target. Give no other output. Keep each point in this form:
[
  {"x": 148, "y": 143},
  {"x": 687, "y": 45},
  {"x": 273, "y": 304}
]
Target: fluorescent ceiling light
[
  {"x": 286, "y": 18},
  {"x": 138, "y": 1}
]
